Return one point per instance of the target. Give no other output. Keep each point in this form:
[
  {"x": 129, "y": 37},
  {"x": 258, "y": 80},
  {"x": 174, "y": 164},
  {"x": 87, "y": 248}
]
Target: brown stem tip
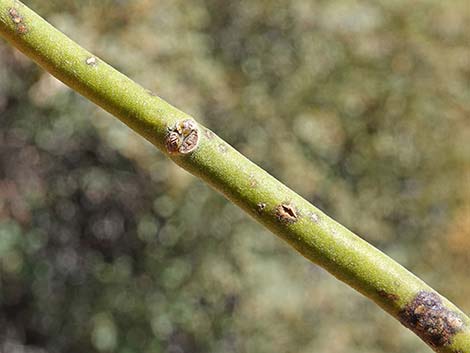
[{"x": 431, "y": 320}]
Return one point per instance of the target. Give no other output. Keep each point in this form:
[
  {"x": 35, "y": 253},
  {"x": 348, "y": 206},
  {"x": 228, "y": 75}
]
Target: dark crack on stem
[{"x": 286, "y": 213}]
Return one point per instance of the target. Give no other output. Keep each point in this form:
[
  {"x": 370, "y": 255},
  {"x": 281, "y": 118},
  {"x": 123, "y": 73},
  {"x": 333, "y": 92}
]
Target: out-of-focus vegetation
[{"x": 361, "y": 106}]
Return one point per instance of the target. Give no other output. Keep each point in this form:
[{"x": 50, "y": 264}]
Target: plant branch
[{"x": 197, "y": 149}]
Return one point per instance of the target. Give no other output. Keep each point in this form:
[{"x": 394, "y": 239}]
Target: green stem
[{"x": 195, "y": 148}]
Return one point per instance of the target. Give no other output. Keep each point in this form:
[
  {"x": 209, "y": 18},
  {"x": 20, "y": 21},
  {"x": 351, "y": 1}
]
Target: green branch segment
[{"x": 197, "y": 149}]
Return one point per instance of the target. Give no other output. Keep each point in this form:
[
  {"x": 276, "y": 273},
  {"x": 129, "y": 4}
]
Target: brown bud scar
[
  {"x": 183, "y": 137},
  {"x": 286, "y": 213},
  {"x": 389, "y": 296},
  {"x": 22, "y": 29},
  {"x": 190, "y": 142},
  {"x": 18, "y": 21},
  {"x": 431, "y": 320},
  {"x": 173, "y": 142},
  {"x": 260, "y": 207},
  {"x": 14, "y": 15}
]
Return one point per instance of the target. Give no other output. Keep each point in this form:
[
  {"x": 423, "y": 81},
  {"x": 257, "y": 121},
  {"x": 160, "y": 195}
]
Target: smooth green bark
[{"x": 312, "y": 233}]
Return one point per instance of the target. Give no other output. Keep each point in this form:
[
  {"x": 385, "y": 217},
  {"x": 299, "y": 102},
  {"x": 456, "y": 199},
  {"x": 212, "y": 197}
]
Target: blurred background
[{"x": 362, "y": 107}]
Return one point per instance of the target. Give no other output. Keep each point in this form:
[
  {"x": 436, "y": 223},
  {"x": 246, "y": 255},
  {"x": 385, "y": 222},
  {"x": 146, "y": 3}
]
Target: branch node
[{"x": 183, "y": 137}]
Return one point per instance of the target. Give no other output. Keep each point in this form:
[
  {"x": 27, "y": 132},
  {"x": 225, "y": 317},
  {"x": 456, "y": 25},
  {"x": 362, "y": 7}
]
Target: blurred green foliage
[{"x": 361, "y": 106}]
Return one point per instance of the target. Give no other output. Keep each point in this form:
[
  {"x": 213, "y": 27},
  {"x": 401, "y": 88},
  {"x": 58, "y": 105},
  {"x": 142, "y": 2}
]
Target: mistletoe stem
[{"x": 200, "y": 151}]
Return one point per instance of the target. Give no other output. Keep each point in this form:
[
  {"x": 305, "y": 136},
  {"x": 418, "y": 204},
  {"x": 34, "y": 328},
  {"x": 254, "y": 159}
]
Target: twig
[{"x": 197, "y": 149}]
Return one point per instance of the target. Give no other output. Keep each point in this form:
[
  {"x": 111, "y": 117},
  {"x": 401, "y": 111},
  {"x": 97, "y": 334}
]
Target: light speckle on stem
[
  {"x": 222, "y": 148},
  {"x": 314, "y": 217},
  {"x": 91, "y": 61},
  {"x": 209, "y": 134},
  {"x": 253, "y": 181}
]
